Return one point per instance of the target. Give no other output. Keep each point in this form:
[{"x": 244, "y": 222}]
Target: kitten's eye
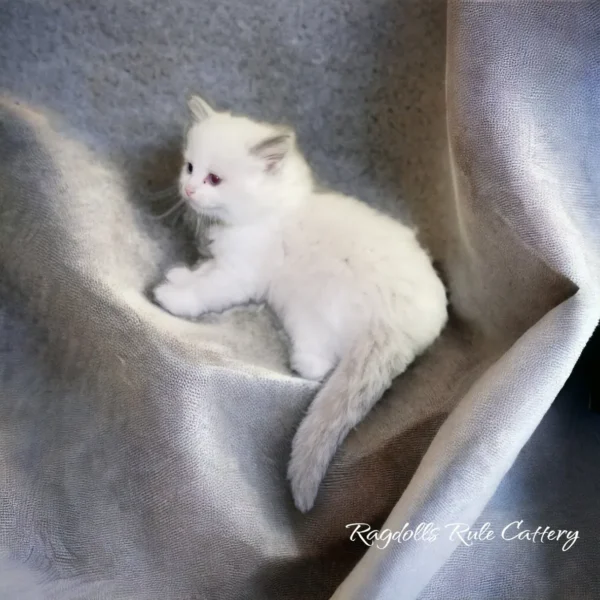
[
  {"x": 190, "y": 168},
  {"x": 213, "y": 179}
]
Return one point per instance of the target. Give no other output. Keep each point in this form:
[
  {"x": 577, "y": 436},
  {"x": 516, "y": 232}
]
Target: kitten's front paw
[
  {"x": 177, "y": 300},
  {"x": 179, "y": 275}
]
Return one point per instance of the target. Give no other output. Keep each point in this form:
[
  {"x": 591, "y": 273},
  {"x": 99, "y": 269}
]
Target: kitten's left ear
[
  {"x": 200, "y": 108},
  {"x": 275, "y": 148}
]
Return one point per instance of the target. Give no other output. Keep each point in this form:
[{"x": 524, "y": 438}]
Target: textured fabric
[{"x": 143, "y": 456}]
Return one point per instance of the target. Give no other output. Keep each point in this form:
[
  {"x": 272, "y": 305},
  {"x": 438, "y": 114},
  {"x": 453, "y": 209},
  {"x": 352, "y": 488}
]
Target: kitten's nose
[{"x": 189, "y": 190}]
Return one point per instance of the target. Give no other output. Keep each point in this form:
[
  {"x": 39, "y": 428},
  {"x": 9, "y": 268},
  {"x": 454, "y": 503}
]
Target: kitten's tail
[{"x": 356, "y": 384}]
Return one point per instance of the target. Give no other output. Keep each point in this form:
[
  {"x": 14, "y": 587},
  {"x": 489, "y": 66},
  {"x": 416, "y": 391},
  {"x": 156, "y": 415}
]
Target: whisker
[
  {"x": 164, "y": 198},
  {"x": 170, "y": 192},
  {"x": 170, "y": 210},
  {"x": 178, "y": 218}
]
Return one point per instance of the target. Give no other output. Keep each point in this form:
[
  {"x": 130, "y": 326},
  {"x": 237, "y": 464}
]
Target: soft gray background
[{"x": 143, "y": 456}]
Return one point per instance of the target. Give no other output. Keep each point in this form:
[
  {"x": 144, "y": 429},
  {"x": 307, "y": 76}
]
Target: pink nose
[{"x": 189, "y": 190}]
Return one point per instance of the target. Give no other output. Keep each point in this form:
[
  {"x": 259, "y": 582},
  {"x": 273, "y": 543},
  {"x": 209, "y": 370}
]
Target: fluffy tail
[{"x": 352, "y": 389}]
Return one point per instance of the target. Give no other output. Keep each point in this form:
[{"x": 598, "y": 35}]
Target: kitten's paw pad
[
  {"x": 177, "y": 300},
  {"x": 311, "y": 366},
  {"x": 304, "y": 480},
  {"x": 179, "y": 275}
]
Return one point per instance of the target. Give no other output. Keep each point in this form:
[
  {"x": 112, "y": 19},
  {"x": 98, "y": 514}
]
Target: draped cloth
[{"x": 143, "y": 456}]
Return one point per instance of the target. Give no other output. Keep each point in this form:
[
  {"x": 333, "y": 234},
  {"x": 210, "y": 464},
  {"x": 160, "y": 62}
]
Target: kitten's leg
[
  {"x": 180, "y": 275},
  {"x": 311, "y": 356},
  {"x": 208, "y": 288}
]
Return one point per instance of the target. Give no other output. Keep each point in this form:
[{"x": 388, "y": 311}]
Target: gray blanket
[{"x": 143, "y": 456}]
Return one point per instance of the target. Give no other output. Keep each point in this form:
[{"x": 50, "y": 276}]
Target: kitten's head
[{"x": 237, "y": 170}]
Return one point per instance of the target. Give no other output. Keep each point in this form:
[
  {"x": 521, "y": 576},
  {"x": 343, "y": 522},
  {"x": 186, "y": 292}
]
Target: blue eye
[{"x": 190, "y": 168}]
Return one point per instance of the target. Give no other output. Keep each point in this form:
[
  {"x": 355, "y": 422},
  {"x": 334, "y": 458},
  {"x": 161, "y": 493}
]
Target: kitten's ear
[
  {"x": 199, "y": 108},
  {"x": 275, "y": 148}
]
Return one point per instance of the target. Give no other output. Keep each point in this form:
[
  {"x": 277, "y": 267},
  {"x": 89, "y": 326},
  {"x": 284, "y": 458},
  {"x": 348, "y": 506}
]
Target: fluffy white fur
[{"x": 356, "y": 293}]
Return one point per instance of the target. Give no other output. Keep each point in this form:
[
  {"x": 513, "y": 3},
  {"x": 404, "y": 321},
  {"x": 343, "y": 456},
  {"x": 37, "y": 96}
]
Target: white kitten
[{"x": 356, "y": 293}]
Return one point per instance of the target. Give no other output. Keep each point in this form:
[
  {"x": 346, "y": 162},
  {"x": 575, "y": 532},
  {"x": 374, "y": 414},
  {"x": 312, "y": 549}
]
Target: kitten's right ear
[
  {"x": 275, "y": 148},
  {"x": 200, "y": 109}
]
